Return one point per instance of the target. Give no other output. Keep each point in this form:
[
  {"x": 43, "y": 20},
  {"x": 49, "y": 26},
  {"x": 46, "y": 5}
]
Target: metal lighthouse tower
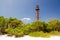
[{"x": 37, "y": 12}]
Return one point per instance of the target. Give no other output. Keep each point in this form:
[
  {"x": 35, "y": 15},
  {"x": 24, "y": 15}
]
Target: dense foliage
[{"x": 13, "y": 26}]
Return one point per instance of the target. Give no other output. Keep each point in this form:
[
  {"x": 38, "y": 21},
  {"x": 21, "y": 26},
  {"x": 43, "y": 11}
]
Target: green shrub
[
  {"x": 18, "y": 32},
  {"x": 9, "y": 30}
]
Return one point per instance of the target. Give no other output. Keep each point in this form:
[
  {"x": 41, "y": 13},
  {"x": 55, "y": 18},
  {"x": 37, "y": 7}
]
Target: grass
[
  {"x": 39, "y": 34},
  {"x": 55, "y": 33},
  {"x": 42, "y": 34}
]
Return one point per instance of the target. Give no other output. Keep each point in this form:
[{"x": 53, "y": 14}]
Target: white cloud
[{"x": 28, "y": 19}]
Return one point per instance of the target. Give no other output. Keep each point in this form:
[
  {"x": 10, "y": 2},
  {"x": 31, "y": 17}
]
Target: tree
[
  {"x": 13, "y": 23},
  {"x": 38, "y": 26},
  {"x": 54, "y": 25},
  {"x": 2, "y": 24}
]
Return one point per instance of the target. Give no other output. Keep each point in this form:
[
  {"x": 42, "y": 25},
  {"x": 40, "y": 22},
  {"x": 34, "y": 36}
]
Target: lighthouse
[{"x": 37, "y": 12}]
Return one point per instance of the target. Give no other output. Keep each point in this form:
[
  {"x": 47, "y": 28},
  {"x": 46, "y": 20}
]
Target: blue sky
[{"x": 25, "y": 9}]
